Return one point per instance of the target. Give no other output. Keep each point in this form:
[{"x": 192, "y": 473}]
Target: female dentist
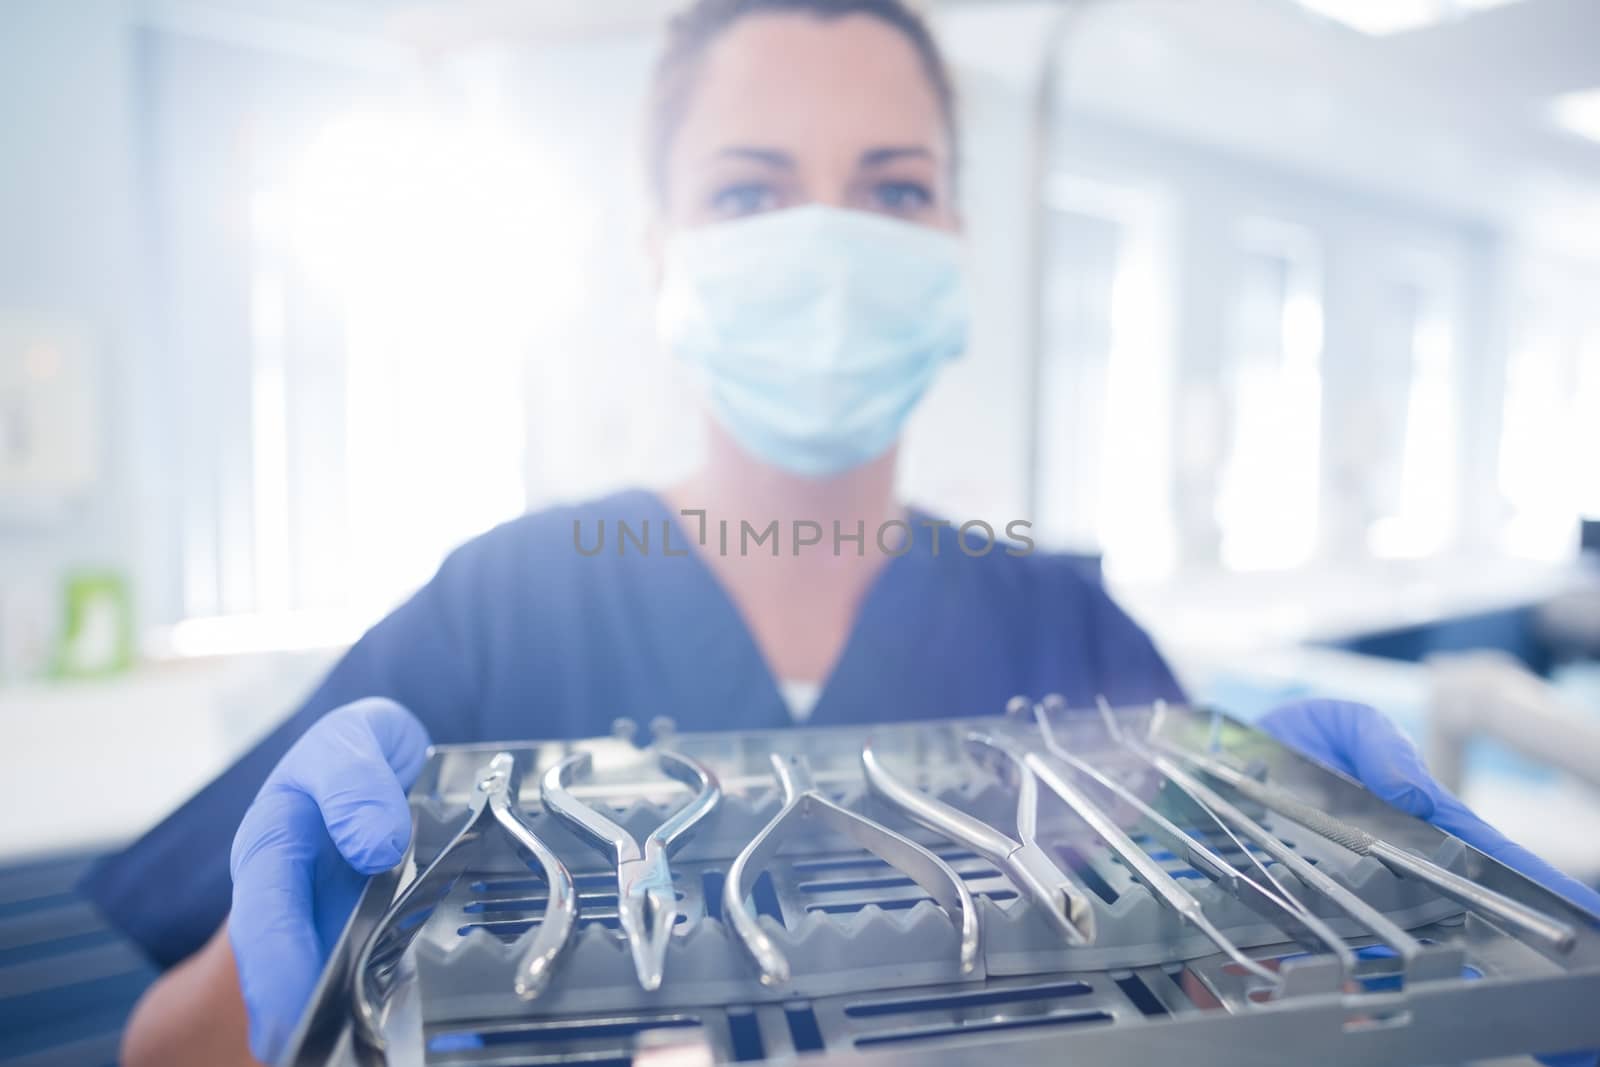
[{"x": 803, "y": 159}]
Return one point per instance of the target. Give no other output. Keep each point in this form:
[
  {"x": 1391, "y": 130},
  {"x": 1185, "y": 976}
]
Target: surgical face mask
[{"x": 814, "y": 330}]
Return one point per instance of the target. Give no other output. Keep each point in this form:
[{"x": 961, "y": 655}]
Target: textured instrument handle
[{"x": 1312, "y": 818}]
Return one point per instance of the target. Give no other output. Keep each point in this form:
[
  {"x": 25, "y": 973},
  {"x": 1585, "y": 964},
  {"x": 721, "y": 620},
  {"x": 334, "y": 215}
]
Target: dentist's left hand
[
  {"x": 1362, "y": 743},
  {"x": 331, "y": 813}
]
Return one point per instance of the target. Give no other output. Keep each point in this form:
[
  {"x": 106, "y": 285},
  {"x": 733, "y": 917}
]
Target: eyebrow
[
  {"x": 772, "y": 157},
  {"x": 777, "y": 158},
  {"x": 877, "y": 157}
]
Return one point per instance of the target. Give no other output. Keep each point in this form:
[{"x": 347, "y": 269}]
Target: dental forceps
[
  {"x": 494, "y": 801},
  {"x": 1022, "y": 861},
  {"x": 647, "y": 905},
  {"x": 803, "y": 802}
]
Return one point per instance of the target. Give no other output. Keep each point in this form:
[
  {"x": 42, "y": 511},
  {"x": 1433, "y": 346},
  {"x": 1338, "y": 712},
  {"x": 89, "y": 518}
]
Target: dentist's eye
[
  {"x": 901, "y": 197},
  {"x": 745, "y": 198}
]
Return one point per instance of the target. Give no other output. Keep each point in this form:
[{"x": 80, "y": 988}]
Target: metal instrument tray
[{"x": 873, "y": 960}]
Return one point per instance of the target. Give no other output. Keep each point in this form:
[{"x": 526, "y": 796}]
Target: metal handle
[
  {"x": 1380, "y": 924},
  {"x": 560, "y": 917},
  {"x": 1030, "y": 866},
  {"x": 935, "y": 814},
  {"x": 1152, "y": 874},
  {"x": 494, "y": 797},
  {"x": 601, "y": 831},
  {"x": 707, "y": 795},
  {"x": 1470, "y": 894},
  {"x": 1149, "y": 871},
  {"x": 1548, "y": 929},
  {"x": 802, "y": 802}
]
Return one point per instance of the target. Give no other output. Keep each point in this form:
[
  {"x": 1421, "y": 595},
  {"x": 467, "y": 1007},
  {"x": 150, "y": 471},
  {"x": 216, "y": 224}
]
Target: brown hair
[{"x": 693, "y": 30}]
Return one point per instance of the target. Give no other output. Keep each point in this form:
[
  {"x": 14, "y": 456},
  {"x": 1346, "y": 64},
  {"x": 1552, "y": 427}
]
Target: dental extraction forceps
[
  {"x": 1303, "y": 923},
  {"x": 804, "y": 802},
  {"x": 647, "y": 905},
  {"x": 494, "y": 800},
  {"x": 1022, "y": 861}
]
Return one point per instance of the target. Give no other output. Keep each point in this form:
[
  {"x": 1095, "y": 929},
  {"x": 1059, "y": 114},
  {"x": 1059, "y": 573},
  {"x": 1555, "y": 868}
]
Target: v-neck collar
[{"x": 702, "y": 630}]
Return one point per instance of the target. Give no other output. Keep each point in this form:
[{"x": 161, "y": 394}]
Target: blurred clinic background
[{"x": 1290, "y": 309}]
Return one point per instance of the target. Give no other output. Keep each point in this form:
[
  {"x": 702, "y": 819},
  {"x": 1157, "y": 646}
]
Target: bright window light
[
  {"x": 1106, "y": 450},
  {"x": 1136, "y": 464},
  {"x": 425, "y": 234},
  {"x": 1267, "y": 503},
  {"x": 1550, "y": 397},
  {"x": 1380, "y": 18},
  {"x": 1420, "y": 522},
  {"x": 1587, "y": 422},
  {"x": 1578, "y": 113}
]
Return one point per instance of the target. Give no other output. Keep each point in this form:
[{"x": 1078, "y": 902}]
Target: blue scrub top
[{"x": 520, "y": 636}]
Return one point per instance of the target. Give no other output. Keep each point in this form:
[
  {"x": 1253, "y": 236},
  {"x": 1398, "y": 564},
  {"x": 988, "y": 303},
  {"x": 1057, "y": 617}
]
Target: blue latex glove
[
  {"x": 1364, "y": 744},
  {"x": 332, "y": 812}
]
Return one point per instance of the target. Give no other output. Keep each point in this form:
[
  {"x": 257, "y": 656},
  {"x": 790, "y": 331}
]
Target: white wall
[
  {"x": 68, "y": 256},
  {"x": 965, "y": 452},
  {"x": 1386, "y": 149}
]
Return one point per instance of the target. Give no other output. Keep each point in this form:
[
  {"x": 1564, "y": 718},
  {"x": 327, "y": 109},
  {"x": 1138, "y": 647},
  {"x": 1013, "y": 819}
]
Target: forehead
[{"x": 794, "y": 80}]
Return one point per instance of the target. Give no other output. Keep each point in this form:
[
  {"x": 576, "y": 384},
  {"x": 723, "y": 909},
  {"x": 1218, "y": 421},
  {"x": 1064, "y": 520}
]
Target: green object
[{"x": 97, "y": 626}]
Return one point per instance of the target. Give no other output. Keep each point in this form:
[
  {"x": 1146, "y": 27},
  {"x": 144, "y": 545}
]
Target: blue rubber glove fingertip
[{"x": 382, "y": 855}]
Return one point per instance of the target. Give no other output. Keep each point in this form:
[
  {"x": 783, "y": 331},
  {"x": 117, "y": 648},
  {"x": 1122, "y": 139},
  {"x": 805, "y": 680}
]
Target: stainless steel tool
[
  {"x": 1408, "y": 947},
  {"x": 494, "y": 801},
  {"x": 1146, "y": 869},
  {"x": 803, "y": 803},
  {"x": 1272, "y": 899},
  {"x": 1530, "y": 921},
  {"x": 647, "y": 904},
  {"x": 1023, "y": 861}
]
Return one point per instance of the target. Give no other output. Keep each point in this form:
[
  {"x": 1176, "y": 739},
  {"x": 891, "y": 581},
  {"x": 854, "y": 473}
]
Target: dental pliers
[
  {"x": 647, "y": 905},
  {"x": 804, "y": 803},
  {"x": 494, "y": 801},
  {"x": 1023, "y": 861}
]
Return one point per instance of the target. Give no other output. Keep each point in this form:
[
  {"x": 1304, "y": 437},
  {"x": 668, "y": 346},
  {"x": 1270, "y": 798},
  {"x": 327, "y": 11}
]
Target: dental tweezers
[
  {"x": 494, "y": 801},
  {"x": 803, "y": 802},
  {"x": 1272, "y": 900},
  {"x": 1532, "y": 922},
  {"x": 1148, "y": 871},
  {"x": 647, "y": 905},
  {"x": 1022, "y": 861},
  {"x": 1312, "y": 876}
]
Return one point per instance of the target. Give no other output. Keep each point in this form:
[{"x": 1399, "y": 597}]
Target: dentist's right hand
[{"x": 331, "y": 813}]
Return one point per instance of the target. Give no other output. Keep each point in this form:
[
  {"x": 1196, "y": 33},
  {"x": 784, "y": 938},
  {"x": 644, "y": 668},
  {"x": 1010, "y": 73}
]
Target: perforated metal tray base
[{"x": 873, "y": 961}]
